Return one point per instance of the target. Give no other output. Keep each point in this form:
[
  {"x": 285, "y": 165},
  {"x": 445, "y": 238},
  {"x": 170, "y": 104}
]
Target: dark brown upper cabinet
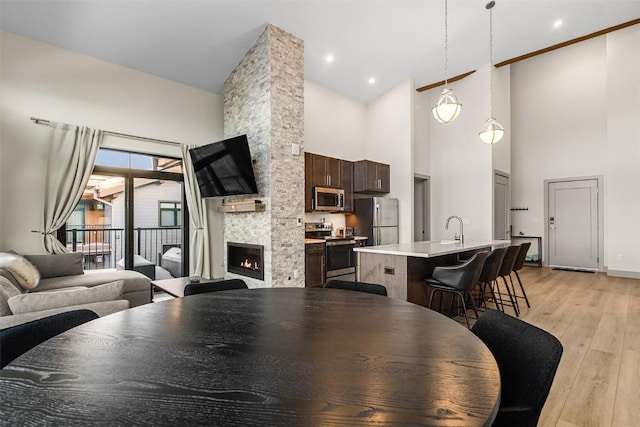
[
  {"x": 326, "y": 171},
  {"x": 347, "y": 185},
  {"x": 308, "y": 182},
  {"x": 371, "y": 177}
]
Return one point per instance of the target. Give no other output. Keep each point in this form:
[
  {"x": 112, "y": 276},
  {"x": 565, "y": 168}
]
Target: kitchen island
[{"x": 402, "y": 267}]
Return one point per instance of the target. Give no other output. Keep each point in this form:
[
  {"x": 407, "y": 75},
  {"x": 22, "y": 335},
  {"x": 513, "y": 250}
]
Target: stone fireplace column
[{"x": 264, "y": 98}]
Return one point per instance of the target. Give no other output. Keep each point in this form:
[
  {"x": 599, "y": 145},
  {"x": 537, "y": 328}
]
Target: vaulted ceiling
[{"x": 198, "y": 43}]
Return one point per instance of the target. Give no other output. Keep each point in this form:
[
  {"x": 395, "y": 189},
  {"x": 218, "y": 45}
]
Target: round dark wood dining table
[{"x": 283, "y": 356}]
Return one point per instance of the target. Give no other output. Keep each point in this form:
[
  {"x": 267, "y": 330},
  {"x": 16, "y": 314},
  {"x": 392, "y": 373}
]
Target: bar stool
[
  {"x": 519, "y": 263},
  {"x": 505, "y": 271},
  {"x": 458, "y": 280},
  {"x": 489, "y": 275}
]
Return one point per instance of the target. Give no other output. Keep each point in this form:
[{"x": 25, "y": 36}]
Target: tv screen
[{"x": 224, "y": 168}]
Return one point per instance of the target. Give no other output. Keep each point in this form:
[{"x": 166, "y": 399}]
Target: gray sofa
[{"x": 61, "y": 285}]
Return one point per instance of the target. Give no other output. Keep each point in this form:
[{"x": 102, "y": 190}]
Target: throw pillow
[
  {"x": 57, "y": 265},
  {"x": 37, "y": 301},
  {"x": 7, "y": 290},
  {"x": 22, "y": 270}
]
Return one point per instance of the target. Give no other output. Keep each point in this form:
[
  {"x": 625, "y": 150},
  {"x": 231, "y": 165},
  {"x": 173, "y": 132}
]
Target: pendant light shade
[
  {"x": 491, "y": 132},
  {"x": 447, "y": 108}
]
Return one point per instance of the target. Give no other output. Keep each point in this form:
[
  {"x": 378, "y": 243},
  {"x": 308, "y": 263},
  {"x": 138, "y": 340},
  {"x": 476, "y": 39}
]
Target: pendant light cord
[
  {"x": 446, "y": 43},
  {"x": 491, "y": 59}
]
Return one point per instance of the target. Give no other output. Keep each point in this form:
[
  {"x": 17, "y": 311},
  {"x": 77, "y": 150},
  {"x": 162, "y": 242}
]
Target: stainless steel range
[{"x": 339, "y": 256}]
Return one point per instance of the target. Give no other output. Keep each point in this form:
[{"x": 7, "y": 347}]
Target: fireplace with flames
[{"x": 245, "y": 259}]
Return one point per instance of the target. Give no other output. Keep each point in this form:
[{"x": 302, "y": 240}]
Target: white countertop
[{"x": 431, "y": 248}]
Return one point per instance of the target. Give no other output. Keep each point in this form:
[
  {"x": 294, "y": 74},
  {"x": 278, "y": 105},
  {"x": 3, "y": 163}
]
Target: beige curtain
[
  {"x": 72, "y": 154},
  {"x": 199, "y": 257}
]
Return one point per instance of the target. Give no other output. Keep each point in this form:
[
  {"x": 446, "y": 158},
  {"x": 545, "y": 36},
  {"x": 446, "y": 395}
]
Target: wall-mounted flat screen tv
[{"x": 224, "y": 168}]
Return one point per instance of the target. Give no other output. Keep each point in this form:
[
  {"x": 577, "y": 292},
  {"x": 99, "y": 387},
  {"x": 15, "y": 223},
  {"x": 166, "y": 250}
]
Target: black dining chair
[
  {"x": 16, "y": 340},
  {"x": 458, "y": 280},
  {"x": 505, "y": 271},
  {"x": 527, "y": 358},
  {"x": 489, "y": 275},
  {"x": 222, "y": 285},
  {"x": 517, "y": 266},
  {"x": 370, "y": 288}
]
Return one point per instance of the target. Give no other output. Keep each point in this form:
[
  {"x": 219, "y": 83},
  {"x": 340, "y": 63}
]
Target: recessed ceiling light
[
  {"x": 372, "y": 80},
  {"x": 557, "y": 24},
  {"x": 328, "y": 58}
]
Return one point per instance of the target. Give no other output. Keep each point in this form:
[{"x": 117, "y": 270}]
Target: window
[
  {"x": 169, "y": 214},
  {"x": 129, "y": 160},
  {"x": 77, "y": 218}
]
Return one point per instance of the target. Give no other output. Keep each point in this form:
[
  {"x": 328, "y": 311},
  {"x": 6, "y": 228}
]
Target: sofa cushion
[
  {"x": 5, "y": 273},
  {"x": 38, "y": 301},
  {"x": 100, "y": 308},
  {"x": 57, "y": 265},
  {"x": 133, "y": 281},
  {"x": 7, "y": 290},
  {"x": 21, "y": 269}
]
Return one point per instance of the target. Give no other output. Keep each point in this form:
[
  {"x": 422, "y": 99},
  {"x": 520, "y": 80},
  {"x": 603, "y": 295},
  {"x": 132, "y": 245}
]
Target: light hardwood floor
[{"x": 597, "y": 319}]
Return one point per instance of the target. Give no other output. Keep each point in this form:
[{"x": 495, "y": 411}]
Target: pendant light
[
  {"x": 492, "y": 131},
  {"x": 447, "y": 108}
]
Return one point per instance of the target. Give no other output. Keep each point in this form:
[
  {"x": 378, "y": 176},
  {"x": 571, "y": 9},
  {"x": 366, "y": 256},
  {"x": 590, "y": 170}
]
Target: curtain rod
[{"x": 121, "y": 135}]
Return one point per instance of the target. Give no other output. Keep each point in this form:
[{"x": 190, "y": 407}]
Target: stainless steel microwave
[{"x": 328, "y": 199}]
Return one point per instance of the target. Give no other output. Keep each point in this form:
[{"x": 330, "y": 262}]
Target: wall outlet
[
  {"x": 295, "y": 274},
  {"x": 295, "y": 149},
  {"x": 299, "y": 221}
]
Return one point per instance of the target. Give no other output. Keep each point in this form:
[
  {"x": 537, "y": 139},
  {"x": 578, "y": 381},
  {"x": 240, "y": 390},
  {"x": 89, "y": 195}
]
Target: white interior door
[
  {"x": 501, "y": 212},
  {"x": 573, "y": 224}
]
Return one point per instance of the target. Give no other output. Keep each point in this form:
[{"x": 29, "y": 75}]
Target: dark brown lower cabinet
[{"x": 314, "y": 265}]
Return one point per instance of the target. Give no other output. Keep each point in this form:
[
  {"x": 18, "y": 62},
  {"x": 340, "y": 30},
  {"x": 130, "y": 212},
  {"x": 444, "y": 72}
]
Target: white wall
[
  {"x": 460, "y": 165},
  {"x": 559, "y": 127},
  {"x": 422, "y": 121},
  {"x": 575, "y": 113},
  {"x": 622, "y": 180},
  {"x": 501, "y": 151},
  {"x": 389, "y": 136},
  {"x": 48, "y": 82},
  {"x": 334, "y": 125}
]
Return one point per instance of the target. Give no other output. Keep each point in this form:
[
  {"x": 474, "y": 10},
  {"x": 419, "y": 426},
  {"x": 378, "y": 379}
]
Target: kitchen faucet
[{"x": 446, "y": 227}]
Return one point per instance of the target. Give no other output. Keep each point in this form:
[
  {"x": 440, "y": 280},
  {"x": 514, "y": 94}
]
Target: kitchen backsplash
[{"x": 338, "y": 220}]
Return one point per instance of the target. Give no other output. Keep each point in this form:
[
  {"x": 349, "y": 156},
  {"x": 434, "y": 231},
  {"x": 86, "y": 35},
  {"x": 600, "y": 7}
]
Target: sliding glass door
[{"x": 132, "y": 216}]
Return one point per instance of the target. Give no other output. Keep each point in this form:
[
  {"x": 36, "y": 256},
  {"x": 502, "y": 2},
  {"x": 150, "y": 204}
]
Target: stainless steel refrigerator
[{"x": 375, "y": 218}]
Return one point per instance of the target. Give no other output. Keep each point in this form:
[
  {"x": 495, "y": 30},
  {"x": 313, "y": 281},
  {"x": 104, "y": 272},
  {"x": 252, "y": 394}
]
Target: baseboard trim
[{"x": 624, "y": 274}]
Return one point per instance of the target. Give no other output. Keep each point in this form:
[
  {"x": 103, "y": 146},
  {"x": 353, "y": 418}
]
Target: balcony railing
[{"x": 103, "y": 246}]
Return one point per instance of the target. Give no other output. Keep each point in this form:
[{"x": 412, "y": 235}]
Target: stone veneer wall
[{"x": 264, "y": 98}]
